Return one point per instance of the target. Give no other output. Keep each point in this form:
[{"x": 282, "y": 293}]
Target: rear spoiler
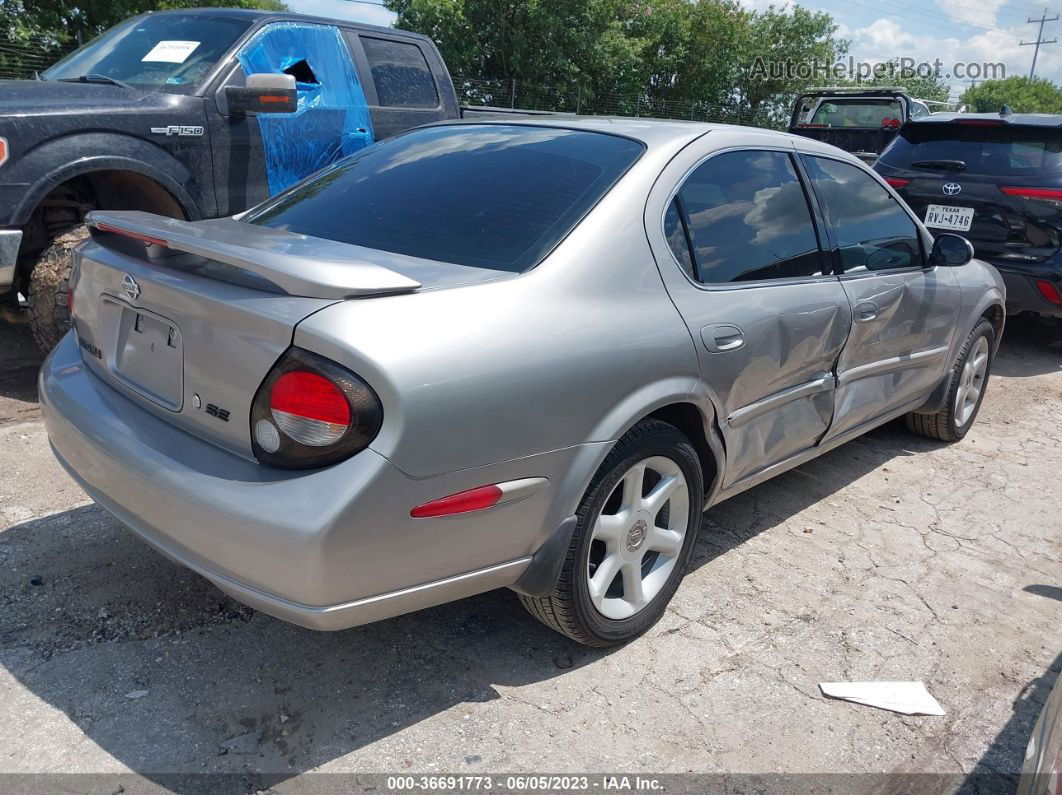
[{"x": 298, "y": 265}]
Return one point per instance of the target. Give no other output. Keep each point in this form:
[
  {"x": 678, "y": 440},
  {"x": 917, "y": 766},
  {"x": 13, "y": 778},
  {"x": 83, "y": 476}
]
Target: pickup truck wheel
[
  {"x": 636, "y": 527},
  {"x": 969, "y": 379},
  {"x": 49, "y": 287}
]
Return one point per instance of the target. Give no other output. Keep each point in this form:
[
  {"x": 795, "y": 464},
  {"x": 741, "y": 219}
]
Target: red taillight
[
  {"x": 980, "y": 122},
  {"x": 462, "y": 502},
  {"x": 897, "y": 182},
  {"x": 1033, "y": 193},
  {"x": 311, "y": 411},
  {"x": 116, "y": 230},
  {"x": 309, "y": 408},
  {"x": 3, "y": 151},
  {"x": 1049, "y": 291},
  {"x": 890, "y": 122}
]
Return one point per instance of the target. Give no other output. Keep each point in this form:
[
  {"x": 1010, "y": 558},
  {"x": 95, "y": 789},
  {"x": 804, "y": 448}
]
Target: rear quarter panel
[{"x": 571, "y": 353}]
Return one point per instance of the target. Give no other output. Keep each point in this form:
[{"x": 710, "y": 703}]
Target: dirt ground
[{"x": 891, "y": 558}]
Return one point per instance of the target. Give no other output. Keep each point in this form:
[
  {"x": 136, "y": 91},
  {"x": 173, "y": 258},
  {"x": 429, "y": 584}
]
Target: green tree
[
  {"x": 65, "y": 21},
  {"x": 801, "y": 37},
  {"x": 663, "y": 57},
  {"x": 1021, "y": 94}
]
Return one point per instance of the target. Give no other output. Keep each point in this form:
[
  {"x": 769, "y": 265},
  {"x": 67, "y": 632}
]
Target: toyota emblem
[
  {"x": 951, "y": 188},
  {"x": 130, "y": 287}
]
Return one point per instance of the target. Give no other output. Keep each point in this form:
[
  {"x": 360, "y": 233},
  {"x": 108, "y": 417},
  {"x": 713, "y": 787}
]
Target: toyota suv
[{"x": 995, "y": 179}]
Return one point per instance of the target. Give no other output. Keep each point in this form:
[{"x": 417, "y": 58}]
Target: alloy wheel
[
  {"x": 971, "y": 382},
  {"x": 637, "y": 537}
]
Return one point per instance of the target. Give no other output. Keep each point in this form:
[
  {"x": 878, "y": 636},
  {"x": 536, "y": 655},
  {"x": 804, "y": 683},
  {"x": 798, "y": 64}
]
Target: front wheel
[
  {"x": 637, "y": 524},
  {"x": 969, "y": 380}
]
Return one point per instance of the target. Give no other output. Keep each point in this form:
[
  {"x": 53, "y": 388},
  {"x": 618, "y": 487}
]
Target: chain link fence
[{"x": 475, "y": 91}]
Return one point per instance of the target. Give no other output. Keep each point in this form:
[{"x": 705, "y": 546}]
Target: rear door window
[
  {"x": 400, "y": 73},
  {"x": 871, "y": 230},
  {"x": 996, "y": 150},
  {"x": 486, "y": 195},
  {"x": 746, "y": 217}
]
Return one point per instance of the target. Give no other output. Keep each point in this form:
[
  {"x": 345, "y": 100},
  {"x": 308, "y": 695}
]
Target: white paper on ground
[
  {"x": 171, "y": 51},
  {"x": 907, "y": 698}
]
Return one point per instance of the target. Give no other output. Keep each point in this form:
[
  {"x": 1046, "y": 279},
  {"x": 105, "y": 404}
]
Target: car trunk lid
[{"x": 187, "y": 319}]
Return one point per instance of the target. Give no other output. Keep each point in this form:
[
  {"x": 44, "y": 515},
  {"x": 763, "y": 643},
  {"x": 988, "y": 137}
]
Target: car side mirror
[
  {"x": 951, "y": 250},
  {"x": 263, "y": 93}
]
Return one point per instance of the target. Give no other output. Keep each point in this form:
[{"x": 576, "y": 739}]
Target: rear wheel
[
  {"x": 48, "y": 295},
  {"x": 637, "y": 524},
  {"x": 969, "y": 379}
]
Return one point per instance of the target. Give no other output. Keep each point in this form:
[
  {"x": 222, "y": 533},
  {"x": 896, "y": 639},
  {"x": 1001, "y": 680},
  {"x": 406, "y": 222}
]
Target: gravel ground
[{"x": 890, "y": 558}]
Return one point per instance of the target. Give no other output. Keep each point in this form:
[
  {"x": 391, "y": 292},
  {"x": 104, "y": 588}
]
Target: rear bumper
[
  {"x": 326, "y": 549},
  {"x": 1022, "y": 294},
  {"x": 10, "y": 240}
]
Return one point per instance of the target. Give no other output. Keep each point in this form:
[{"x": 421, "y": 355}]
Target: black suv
[{"x": 996, "y": 179}]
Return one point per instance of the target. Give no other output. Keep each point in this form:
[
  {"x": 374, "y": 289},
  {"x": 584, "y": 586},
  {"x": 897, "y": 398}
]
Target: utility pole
[{"x": 1039, "y": 38}]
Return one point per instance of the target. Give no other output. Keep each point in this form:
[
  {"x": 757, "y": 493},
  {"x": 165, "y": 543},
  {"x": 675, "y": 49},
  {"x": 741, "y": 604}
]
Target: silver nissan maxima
[{"x": 521, "y": 354}]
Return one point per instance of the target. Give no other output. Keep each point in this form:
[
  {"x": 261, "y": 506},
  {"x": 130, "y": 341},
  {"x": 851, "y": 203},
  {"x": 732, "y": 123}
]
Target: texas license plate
[{"x": 958, "y": 219}]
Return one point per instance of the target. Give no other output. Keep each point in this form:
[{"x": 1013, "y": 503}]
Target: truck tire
[
  {"x": 49, "y": 288},
  {"x": 659, "y": 460},
  {"x": 969, "y": 380}
]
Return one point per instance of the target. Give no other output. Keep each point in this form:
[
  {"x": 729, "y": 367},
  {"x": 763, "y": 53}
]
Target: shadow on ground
[
  {"x": 20, "y": 358},
  {"x": 170, "y": 677},
  {"x": 1031, "y": 346},
  {"x": 1007, "y": 750},
  {"x": 243, "y": 692}
]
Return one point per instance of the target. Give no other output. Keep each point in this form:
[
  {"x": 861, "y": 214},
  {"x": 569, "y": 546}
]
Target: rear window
[
  {"x": 488, "y": 196},
  {"x": 856, "y": 112},
  {"x": 998, "y": 151}
]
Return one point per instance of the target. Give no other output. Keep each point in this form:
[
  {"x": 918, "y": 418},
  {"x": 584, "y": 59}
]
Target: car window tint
[
  {"x": 870, "y": 228},
  {"x": 484, "y": 195},
  {"x": 400, "y": 74},
  {"x": 676, "y": 238},
  {"x": 749, "y": 219}
]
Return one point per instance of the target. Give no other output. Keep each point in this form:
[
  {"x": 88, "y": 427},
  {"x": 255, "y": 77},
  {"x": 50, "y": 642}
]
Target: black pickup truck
[
  {"x": 196, "y": 113},
  {"x": 859, "y": 120}
]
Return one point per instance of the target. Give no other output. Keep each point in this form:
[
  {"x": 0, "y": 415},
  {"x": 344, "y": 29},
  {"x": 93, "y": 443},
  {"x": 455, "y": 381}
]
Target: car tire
[
  {"x": 49, "y": 289},
  {"x": 969, "y": 381},
  {"x": 651, "y": 481}
]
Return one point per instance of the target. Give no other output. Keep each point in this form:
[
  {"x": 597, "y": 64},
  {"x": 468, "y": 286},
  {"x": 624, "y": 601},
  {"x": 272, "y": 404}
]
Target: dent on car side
[{"x": 521, "y": 376}]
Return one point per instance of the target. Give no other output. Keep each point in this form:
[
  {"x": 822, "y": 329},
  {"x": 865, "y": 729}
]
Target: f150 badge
[{"x": 178, "y": 129}]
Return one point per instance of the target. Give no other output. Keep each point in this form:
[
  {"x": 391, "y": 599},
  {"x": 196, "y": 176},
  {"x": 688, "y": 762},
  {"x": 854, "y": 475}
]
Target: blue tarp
[{"x": 332, "y": 119}]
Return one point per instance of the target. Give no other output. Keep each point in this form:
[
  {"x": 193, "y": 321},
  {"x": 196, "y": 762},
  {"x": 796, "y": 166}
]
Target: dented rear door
[{"x": 766, "y": 317}]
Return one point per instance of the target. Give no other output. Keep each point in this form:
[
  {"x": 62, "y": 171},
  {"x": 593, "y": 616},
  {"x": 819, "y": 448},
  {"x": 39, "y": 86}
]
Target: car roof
[
  {"x": 1031, "y": 119},
  {"x": 651, "y": 132}
]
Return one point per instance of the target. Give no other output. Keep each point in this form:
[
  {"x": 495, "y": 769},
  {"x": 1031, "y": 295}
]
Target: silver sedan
[{"x": 517, "y": 354}]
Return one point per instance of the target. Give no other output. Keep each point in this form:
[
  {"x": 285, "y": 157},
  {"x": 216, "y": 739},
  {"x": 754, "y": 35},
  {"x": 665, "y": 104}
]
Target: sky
[{"x": 955, "y": 31}]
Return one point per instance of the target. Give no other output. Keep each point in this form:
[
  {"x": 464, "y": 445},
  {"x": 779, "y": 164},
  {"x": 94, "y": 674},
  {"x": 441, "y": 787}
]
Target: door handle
[
  {"x": 722, "y": 337},
  {"x": 865, "y": 311}
]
